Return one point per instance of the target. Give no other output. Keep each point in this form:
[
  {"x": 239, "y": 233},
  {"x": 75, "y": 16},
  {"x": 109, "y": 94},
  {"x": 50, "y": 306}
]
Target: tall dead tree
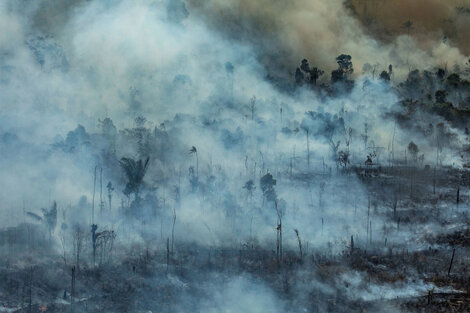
[
  {"x": 279, "y": 230},
  {"x": 30, "y": 306},
  {"x": 72, "y": 289},
  {"x": 93, "y": 200},
  {"x": 167, "y": 253},
  {"x": 94, "y": 227},
  {"x": 173, "y": 231},
  {"x": 101, "y": 191},
  {"x": 368, "y": 218},
  {"x": 451, "y": 261},
  {"x": 308, "y": 151},
  {"x": 110, "y": 195},
  {"x": 300, "y": 243},
  {"x": 352, "y": 244},
  {"x": 78, "y": 236},
  {"x": 253, "y": 107}
]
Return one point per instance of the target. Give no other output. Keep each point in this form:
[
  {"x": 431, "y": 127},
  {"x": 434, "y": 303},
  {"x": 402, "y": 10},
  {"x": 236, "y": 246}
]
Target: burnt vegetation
[
  {"x": 359, "y": 203},
  {"x": 411, "y": 230}
]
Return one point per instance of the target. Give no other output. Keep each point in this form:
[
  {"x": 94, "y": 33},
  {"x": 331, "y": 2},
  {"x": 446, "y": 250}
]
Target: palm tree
[
  {"x": 408, "y": 25},
  {"x": 250, "y": 187},
  {"x": 135, "y": 172},
  {"x": 193, "y": 150},
  {"x": 49, "y": 218}
]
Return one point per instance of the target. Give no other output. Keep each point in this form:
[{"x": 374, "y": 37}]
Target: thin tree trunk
[
  {"x": 101, "y": 191},
  {"x": 280, "y": 239},
  {"x": 30, "y": 307},
  {"x": 451, "y": 261},
  {"x": 368, "y": 217},
  {"x": 93, "y": 201},
  {"x": 308, "y": 152},
  {"x": 167, "y": 253},
  {"x": 72, "y": 289},
  {"x": 352, "y": 244},
  {"x": 300, "y": 243},
  {"x": 173, "y": 231}
]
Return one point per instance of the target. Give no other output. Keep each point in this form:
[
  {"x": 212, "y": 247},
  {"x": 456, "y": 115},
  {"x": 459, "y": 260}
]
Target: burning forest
[{"x": 234, "y": 156}]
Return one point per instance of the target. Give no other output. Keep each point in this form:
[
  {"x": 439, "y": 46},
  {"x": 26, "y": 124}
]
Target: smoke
[
  {"x": 286, "y": 32},
  {"x": 76, "y": 64},
  {"x": 431, "y": 20},
  {"x": 86, "y": 83}
]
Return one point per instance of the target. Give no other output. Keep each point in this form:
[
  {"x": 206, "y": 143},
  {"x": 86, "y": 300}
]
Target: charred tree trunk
[
  {"x": 308, "y": 152},
  {"x": 30, "y": 306},
  {"x": 395, "y": 203},
  {"x": 93, "y": 200},
  {"x": 94, "y": 227},
  {"x": 280, "y": 240},
  {"x": 300, "y": 243},
  {"x": 352, "y": 244},
  {"x": 173, "y": 231},
  {"x": 451, "y": 261},
  {"x": 72, "y": 289},
  {"x": 167, "y": 253}
]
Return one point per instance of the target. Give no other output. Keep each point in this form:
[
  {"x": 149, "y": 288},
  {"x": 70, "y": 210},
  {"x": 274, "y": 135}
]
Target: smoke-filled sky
[{"x": 284, "y": 32}]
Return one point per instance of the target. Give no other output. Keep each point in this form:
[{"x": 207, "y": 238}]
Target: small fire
[{"x": 43, "y": 308}]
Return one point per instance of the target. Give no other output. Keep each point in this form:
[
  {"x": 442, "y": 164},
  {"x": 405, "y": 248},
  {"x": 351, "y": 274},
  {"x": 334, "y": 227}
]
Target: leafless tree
[
  {"x": 300, "y": 243},
  {"x": 253, "y": 107},
  {"x": 78, "y": 236},
  {"x": 173, "y": 231}
]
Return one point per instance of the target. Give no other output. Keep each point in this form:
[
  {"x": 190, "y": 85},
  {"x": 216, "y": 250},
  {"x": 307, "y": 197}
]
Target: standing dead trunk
[
  {"x": 395, "y": 202},
  {"x": 30, "y": 306},
  {"x": 308, "y": 152},
  {"x": 352, "y": 244},
  {"x": 277, "y": 243},
  {"x": 368, "y": 218},
  {"x": 77, "y": 245},
  {"x": 451, "y": 261},
  {"x": 167, "y": 253},
  {"x": 430, "y": 293},
  {"x": 300, "y": 243},
  {"x": 101, "y": 191},
  {"x": 411, "y": 182},
  {"x": 93, "y": 201},
  {"x": 72, "y": 289},
  {"x": 279, "y": 230},
  {"x": 173, "y": 231},
  {"x": 94, "y": 227},
  {"x": 280, "y": 240}
]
